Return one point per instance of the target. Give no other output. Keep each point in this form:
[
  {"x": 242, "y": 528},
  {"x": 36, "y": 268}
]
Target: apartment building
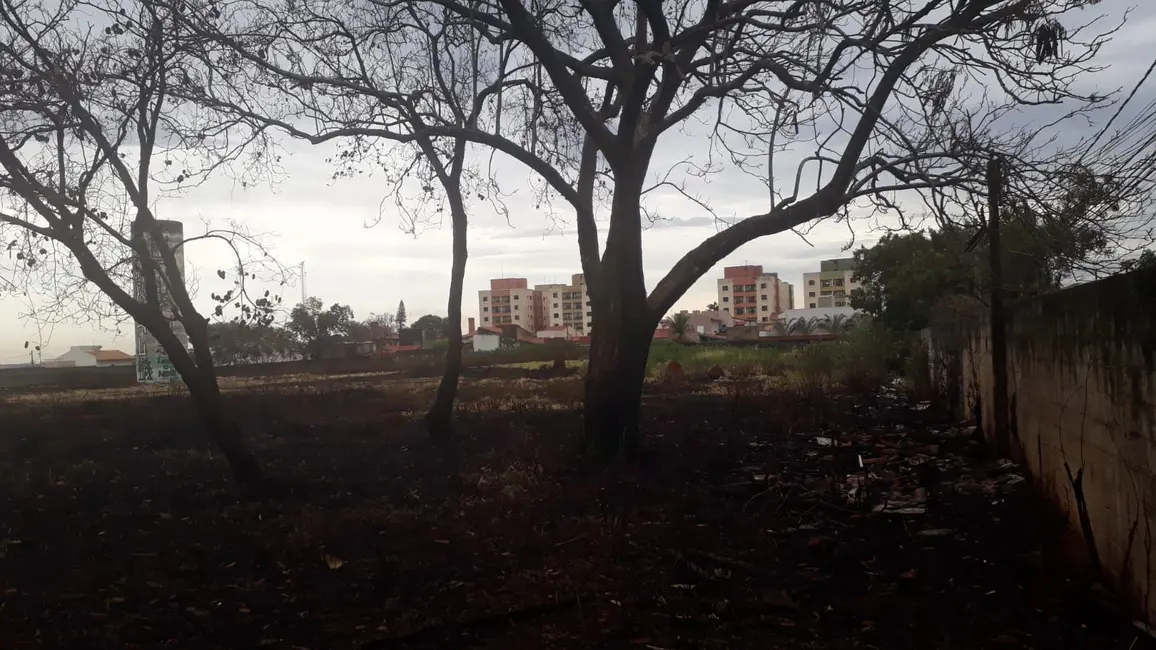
[
  {"x": 748, "y": 294},
  {"x": 510, "y": 301},
  {"x": 831, "y": 286},
  {"x": 566, "y": 305}
]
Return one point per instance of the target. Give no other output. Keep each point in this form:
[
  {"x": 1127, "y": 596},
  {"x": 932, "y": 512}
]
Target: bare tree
[
  {"x": 401, "y": 87},
  {"x": 90, "y": 138},
  {"x": 873, "y": 105}
]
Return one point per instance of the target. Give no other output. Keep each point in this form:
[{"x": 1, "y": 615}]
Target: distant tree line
[{"x": 309, "y": 328}]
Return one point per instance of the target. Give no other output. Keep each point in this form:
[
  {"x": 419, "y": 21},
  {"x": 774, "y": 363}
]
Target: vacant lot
[{"x": 750, "y": 523}]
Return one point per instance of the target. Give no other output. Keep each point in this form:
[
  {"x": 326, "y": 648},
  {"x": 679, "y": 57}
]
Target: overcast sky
[{"x": 354, "y": 257}]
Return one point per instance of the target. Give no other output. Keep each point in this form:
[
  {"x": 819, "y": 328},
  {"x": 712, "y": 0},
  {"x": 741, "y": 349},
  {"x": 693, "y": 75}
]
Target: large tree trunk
[
  {"x": 206, "y": 393},
  {"x": 623, "y": 327},
  {"x": 613, "y": 397},
  {"x": 222, "y": 430},
  {"x": 439, "y": 419}
]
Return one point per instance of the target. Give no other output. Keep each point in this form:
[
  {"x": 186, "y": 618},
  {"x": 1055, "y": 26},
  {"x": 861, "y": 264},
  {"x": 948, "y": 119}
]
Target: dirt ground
[{"x": 750, "y": 523}]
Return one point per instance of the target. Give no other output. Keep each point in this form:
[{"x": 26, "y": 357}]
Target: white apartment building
[
  {"x": 831, "y": 286},
  {"x": 566, "y": 305},
  {"x": 749, "y": 295},
  {"x": 510, "y": 301}
]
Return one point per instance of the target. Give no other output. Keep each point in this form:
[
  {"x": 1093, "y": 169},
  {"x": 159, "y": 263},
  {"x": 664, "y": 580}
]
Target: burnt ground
[{"x": 748, "y": 524}]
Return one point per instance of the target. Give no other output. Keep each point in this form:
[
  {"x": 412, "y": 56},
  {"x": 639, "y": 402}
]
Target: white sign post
[{"x": 152, "y": 362}]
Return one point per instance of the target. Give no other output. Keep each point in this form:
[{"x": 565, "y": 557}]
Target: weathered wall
[{"x": 1082, "y": 382}]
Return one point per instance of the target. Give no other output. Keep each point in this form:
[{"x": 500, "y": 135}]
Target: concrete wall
[
  {"x": 1082, "y": 383},
  {"x": 484, "y": 342}
]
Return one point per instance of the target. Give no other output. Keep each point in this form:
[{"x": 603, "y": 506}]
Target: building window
[
  {"x": 727, "y": 309},
  {"x": 763, "y": 297},
  {"x": 763, "y": 285},
  {"x": 517, "y": 318},
  {"x": 764, "y": 307},
  {"x": 555, "y": 315},
  {"x": 485, "y": 309},
  {"x": 839, "y": 282},
  {"x": 811, "y": 282},
  {"x": 726, "y": 298},
  {"x": 589, "y": 314},
  {"x": 486, "y": 318},
  {"x": 765, "y": 319},
  {"x": 516, "y": 296},
  {"x": 810, "y": 294},
  {"x": 725, "y": 287},
  {"x": 555, "y": 294},
  {"x": 485, "y": 298},
  {"x": 812, "y": 305},
  {"x": 587, "y": 303}
]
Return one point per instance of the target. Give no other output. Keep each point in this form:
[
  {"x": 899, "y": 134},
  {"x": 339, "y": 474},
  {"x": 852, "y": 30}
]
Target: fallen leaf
[{"x": 332, "y": 561}]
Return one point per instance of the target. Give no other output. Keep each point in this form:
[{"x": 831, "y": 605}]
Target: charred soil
[{"x": 748, "y": 523}]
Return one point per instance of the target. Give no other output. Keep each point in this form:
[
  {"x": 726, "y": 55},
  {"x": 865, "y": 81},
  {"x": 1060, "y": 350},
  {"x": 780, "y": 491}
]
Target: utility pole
[{"x": 1000, "y": 422}]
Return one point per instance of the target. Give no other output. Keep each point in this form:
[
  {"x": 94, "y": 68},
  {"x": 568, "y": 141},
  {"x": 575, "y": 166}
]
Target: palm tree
[
  {"x": 835, "y": 324},
  {"x": 712, "y": 307},
  {"x": 802, "y": 326},
  {"x": 679, "y": 325},
  {"x": 781, "y": 327}
]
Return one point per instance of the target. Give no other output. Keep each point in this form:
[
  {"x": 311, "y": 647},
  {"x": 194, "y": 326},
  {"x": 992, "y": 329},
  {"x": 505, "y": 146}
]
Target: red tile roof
[{"x": 110, "y": 355}]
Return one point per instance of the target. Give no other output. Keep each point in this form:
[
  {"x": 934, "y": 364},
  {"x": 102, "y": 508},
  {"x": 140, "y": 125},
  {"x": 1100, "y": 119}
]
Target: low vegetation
[{"x": 860, "y": 359}]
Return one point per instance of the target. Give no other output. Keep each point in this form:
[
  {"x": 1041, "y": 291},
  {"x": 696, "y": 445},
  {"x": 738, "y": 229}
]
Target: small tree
[
  {"x": 400, "y": 317},
  {"x": 835, "y": 324},
  {"x": 803, "y": 326},
  {"x": 781, "y": 327},
  {"x": 315, "y": 327},
  {"x": 679, "y": 325},
  {"x": 375, "y": 328},
  {"x": 90, "y": 139},
  {"x": 712, "y": 307},
  {"x": 433, "y": 326},
  {"x": 235, "y": 342}
]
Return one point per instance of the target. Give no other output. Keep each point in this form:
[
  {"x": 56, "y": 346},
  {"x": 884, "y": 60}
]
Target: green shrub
[{"x": 696, "y": 360}]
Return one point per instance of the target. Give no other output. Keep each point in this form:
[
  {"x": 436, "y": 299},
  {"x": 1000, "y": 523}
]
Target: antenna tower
[{"x": 304, "y": 292}]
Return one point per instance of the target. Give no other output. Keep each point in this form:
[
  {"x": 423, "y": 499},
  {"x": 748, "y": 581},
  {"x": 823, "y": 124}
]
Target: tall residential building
[
  {"x": 566, "y": 305},
  {"x": 749, "y": 294},
  {"x": 510, "y": 301},
  {"x": 831, "y": 286}
]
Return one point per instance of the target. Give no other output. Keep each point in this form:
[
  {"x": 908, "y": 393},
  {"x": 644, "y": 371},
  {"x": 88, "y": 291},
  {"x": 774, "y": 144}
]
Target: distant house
[
  {"x": 487, "y": 340},
  {"x": 92, "y": 356},
  {"x": 710, "y": 322},
  {"x": 517, "y": 335},
  {"x": 558, "y": 332}
]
